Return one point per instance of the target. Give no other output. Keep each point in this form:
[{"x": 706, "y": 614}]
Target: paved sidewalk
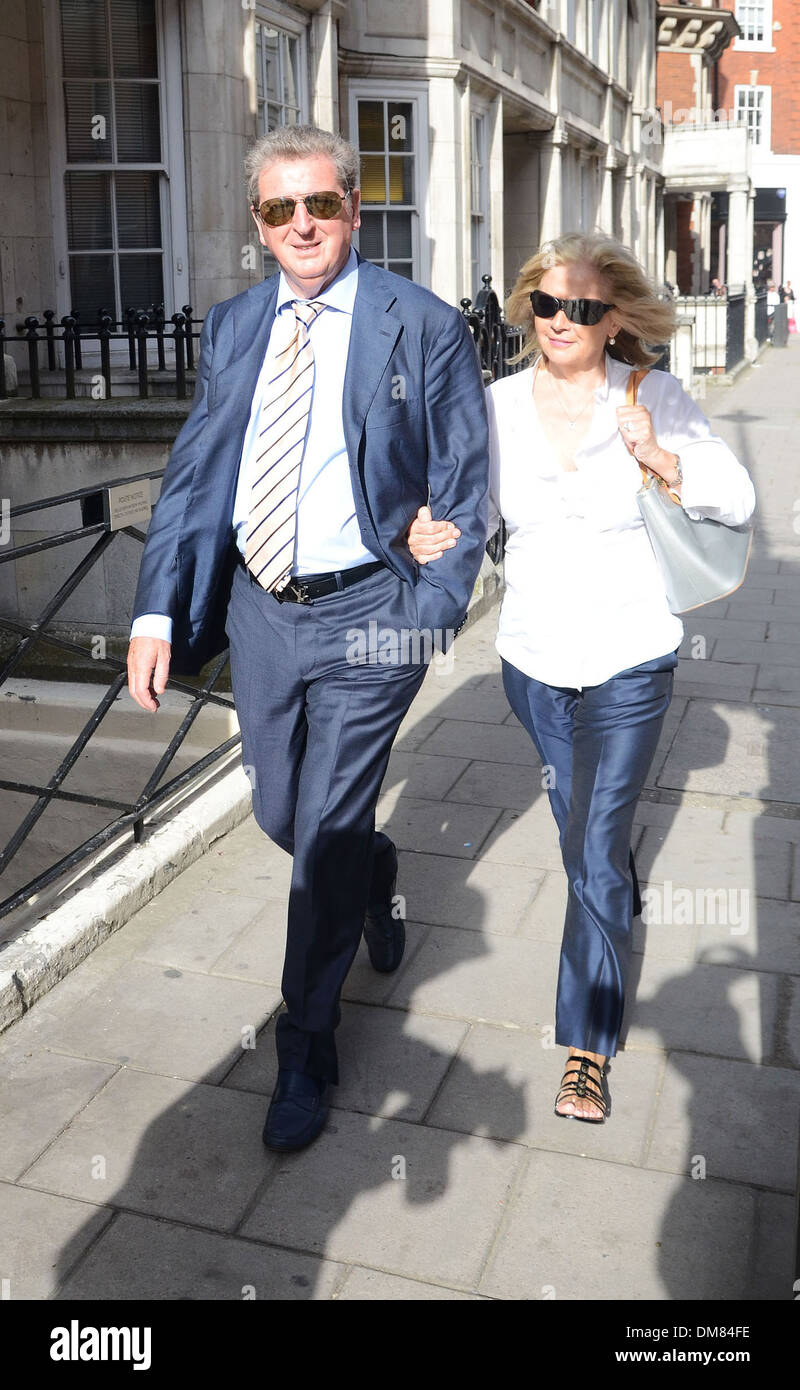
[{"x": 132, "y": 1097}]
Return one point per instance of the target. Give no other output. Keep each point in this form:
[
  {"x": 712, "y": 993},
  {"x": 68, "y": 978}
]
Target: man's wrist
[{"x": 156, "y": 625}]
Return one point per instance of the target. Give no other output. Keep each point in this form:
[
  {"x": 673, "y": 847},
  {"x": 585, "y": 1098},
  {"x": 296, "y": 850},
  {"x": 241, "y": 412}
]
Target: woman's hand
[
  {"x": 429, "y": 539},
  {"x": 636, "y": 428}
]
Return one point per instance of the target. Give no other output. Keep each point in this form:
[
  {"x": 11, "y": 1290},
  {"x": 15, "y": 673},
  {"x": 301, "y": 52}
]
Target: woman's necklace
[{"x": 572, "y": 420}]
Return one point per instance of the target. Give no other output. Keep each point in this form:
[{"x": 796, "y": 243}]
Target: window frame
[
  {"x": 170, "y": 168},
  {"x": 366, "y": 89},
  {"x": 765, "y": 142},
  {"x": 745, "y": 45},
  {"x": 479, "y": 115},
  {"x": 294, "y": 24}
]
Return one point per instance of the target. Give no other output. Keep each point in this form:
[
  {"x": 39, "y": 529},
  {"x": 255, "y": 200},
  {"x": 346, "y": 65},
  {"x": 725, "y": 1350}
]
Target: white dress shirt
[
  {"x": 327, "y": 532},
  {"x": 584, "y": 598}
]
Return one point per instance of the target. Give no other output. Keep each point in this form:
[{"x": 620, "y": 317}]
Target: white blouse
[{"x": 584, "y": 597}]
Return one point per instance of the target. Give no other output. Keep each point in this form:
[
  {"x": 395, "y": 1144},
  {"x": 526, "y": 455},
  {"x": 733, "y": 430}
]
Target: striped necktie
[{"x": 283, "y": 424}]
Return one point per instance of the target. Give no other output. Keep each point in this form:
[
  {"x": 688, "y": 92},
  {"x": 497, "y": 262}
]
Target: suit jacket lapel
[
  {"x": 233, "y": 385},
  {"x": 373, "y": 335},
  {"x": 374, "y": 332}
]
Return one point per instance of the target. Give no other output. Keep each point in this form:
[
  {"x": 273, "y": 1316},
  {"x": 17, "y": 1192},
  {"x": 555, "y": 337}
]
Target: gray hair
[{"x": 300, "y": 142}]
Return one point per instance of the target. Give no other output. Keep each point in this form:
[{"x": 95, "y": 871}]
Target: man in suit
[{"x": 332, "y": 401}]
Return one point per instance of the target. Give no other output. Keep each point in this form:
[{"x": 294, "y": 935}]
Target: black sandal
[{"x": 583, "y": 1085}]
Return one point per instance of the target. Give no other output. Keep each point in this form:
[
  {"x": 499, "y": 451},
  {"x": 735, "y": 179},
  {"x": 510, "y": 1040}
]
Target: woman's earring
[{"x": 611, "y": 342}]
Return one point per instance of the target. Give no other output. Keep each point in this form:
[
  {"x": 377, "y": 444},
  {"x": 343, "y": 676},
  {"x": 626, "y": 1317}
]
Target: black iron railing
[
  {"x": 719, "y": 329},
  {"x": 126, "y": 815},
  {"x": 495, "y": 340},
  {"x": 762, "y": 320},
  {"x": 157, "y": 350},
  {"x": 734, "y": 335},
  {"x": 160, "y": 352}
]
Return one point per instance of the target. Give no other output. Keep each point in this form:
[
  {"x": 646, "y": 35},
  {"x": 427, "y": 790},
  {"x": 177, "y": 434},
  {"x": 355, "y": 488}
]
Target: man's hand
[
  {"x": 429, "y": 539},
  {"x": 148, "y": 670}
]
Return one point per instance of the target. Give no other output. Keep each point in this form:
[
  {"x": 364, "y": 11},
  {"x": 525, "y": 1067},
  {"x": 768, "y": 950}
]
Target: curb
[{"x": 49, "y": 950}]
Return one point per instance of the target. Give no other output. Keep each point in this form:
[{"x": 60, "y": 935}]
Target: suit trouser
[
  {"x": 599, "y": 743},
  {"x": 317, "y": 730}
]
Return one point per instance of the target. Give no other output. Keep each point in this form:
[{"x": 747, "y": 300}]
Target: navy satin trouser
[
  {"x": 317, "y": 731},
  {"x": 599, "y": 743}
]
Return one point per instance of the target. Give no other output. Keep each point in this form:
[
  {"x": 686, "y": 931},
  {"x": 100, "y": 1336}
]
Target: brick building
[
  {"x": 709, "y": 194},
  {"x": 757, "y": 79},
  {"x": 713, "y": 77}
]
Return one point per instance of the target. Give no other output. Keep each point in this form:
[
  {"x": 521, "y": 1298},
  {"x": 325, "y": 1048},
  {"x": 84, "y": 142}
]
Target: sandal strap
[
  {"x": 578, "y": 1081},
  {"x": 584, "y": 1063},
  {"x": 596, "y": 1097},
  {"x": 582, "y": 1088}
]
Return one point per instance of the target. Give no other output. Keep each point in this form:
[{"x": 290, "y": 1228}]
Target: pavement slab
[
  {"x": 141, "y": 1258},
  {"x": 435, "y": 1222},
  {"x": 653, "y": 1235},
  {"x": 163, "y": 1147}
]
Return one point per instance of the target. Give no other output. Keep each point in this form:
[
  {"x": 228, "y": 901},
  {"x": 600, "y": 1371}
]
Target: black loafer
[
  {"x": 385, "y": 934},
  {"x": 297, "y": 1112}
]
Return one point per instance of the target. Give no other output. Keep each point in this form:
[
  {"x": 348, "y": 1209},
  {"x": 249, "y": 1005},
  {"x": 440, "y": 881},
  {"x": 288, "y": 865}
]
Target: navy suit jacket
[{"x": 416, "y": 432}]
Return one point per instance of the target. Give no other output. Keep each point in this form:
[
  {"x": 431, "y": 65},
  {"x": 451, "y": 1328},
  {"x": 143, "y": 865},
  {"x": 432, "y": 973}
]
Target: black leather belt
[{"x": 302, "y": 588}]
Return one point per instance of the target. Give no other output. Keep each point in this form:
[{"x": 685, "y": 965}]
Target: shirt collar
[{"x": 340, "y": 293}]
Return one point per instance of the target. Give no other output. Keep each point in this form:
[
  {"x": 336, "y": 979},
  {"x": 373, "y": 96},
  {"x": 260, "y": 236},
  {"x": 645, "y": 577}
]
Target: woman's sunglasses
[
  {"x": 276, "y": 212},
  {"x": 587, "y": 312}
]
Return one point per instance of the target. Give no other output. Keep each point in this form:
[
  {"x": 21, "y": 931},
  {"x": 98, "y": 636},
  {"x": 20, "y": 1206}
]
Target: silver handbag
[{"x": 700, "y": 560}]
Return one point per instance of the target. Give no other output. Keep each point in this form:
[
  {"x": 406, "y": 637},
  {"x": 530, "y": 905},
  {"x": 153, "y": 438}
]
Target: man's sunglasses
[
  {"x": 587, "y": 312},
  {"x": 276, "y": 212}
]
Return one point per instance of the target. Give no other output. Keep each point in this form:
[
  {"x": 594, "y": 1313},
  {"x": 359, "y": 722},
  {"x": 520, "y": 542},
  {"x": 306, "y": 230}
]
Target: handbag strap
[{"x": 631, "y": 391}]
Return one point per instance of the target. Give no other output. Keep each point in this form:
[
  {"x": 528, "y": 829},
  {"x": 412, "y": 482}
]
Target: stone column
[
  {"x": 551, "y": 151},
  {"x": 750, "y": 342},
  {"x": 448, "y": 273},
  {"x": 740, "y": 244},
  {"x": 605, "y": 215},
  {"x": 324, "y": 58}
]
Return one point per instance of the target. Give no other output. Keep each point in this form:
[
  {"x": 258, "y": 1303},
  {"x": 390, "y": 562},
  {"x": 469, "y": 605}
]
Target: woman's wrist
[{"x": 668, "y": 466}]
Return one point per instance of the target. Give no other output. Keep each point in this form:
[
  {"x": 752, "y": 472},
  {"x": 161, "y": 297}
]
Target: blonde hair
[{"x": 643, "y": 317}]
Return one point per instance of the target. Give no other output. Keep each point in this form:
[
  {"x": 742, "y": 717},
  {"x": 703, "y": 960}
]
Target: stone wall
[
  {"x": 26, "y": 248},
  {"x": 54, "y": 447}
]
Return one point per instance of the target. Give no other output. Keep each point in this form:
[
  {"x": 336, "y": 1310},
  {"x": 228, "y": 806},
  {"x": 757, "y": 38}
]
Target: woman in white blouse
[{"x": 587, "y": 640}]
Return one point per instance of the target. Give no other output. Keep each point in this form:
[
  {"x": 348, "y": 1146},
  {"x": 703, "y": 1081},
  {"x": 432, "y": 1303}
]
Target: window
[
  {"x": 278, "y": 78},
  {"x": 387, "y": 138},
  {"x": 479, "y": 203},
  {"x": 753, "y": 108},
  {"x": 113, "y": 182},
  {"x": 755, "y": 22},
  {"x": 280, "y": 89}
]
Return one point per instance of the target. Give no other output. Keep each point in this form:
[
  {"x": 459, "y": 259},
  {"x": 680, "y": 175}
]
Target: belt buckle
[{"x": 292, "y": 589}]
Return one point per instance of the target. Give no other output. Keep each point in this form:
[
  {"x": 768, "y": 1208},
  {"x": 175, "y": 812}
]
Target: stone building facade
[{"x": 483, "y": 129}]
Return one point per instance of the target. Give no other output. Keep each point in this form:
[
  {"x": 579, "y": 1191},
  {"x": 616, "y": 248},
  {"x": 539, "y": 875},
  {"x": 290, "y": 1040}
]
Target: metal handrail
[{"x": 132, "y": 814}]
